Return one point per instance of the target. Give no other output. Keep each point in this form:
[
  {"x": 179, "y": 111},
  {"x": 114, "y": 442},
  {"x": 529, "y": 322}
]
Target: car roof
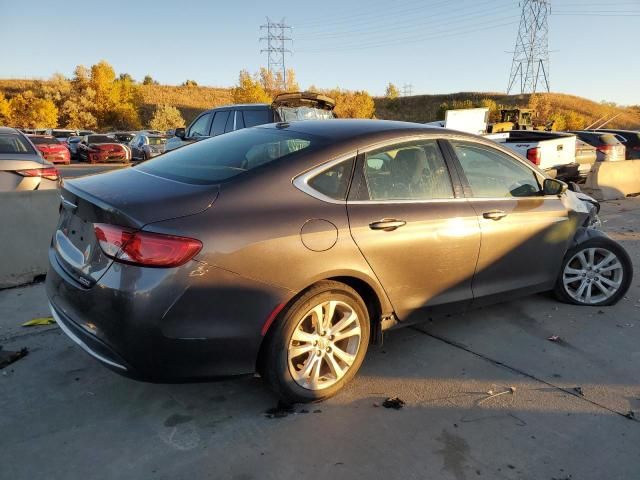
[
  {"x": 343, "y": 129},
  {"x": 6, "y": 130},
  {"x": 242, "y": 106}
]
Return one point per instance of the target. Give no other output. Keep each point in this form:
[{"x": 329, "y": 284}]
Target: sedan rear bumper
[{"x": 165, "y": 325}]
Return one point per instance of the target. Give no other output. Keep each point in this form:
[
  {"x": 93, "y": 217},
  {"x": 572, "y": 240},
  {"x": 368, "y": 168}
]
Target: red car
[
  {"x": 51, "y": 149},
  {"x": 102, "y": 148}
]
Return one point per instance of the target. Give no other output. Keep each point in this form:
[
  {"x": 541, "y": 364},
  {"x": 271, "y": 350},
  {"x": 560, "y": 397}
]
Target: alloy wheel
[
  {"x": 324, "y": 345},
  {"x": 593, "y": 275}
]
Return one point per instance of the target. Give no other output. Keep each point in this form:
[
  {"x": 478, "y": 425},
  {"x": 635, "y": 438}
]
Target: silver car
[{"x": 21, "y": 165}]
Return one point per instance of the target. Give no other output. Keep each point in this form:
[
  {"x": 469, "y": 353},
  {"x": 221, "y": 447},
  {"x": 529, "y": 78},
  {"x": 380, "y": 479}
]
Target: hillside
[
  {"x": 426, "y": 108},
  {"x": 419, "y": 108}
]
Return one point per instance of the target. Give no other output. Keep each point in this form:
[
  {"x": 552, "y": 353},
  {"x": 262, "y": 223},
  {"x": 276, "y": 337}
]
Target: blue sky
[{"x": 437, "y": 46}]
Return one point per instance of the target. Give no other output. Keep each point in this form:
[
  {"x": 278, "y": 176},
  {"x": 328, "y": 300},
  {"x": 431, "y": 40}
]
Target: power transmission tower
[
  {"x": 407, "y": 90},
  {"x": 276, "y": 47},
  {"x": 530, "y": 66}
]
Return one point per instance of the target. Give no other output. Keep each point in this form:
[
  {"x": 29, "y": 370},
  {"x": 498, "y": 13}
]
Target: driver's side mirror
[
  {"x": 552, "y": 186},
  {"x": 181, "y": 133}
]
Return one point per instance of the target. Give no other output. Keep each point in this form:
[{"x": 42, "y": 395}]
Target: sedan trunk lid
[{"x": 128, "y": 198}]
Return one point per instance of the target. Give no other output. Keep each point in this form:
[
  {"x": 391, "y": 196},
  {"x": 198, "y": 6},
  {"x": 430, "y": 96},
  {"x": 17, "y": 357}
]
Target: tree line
[{"x": 98, "y": 99}]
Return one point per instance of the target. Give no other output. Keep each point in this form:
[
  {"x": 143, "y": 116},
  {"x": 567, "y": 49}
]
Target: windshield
[
  {"x": 59, "y": 134},
  {"x": 290, "y": 114},
  {"x": 43, "y": 140},
  {"x": 12, "y": 143},
  {"x": 157, "y": 140},
  {"x": 223, "y": 157},
  {"x": 99, "y": 139},
  {"x": 609, "y": 139}
]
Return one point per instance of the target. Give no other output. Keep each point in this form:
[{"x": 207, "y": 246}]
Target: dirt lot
[{"x": 574, "y": 413}]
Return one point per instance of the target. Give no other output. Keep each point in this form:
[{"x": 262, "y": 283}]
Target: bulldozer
[{"x": 517, "y": 119}]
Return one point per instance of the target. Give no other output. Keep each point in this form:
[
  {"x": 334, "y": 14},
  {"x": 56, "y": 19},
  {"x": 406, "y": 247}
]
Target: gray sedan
[{"x": 21, "y": 166}]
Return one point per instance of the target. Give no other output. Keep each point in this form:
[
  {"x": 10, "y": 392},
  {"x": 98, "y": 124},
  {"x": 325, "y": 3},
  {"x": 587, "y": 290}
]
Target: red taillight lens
[
  {"x": 534, "y": 155},
  {"x": 50, "y": 173},
  {"x": 605, "y": 148},
  {"x": 145, "y": 248}
]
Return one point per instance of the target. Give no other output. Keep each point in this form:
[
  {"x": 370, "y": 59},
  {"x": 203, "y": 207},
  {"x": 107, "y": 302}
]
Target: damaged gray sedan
[{"x": 287, "y": 248}]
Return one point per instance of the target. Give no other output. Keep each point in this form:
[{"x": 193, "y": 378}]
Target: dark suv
[{"x": 285, "y": 107}]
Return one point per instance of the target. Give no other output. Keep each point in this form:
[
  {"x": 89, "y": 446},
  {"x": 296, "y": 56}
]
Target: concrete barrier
[
  {"x": 613, "y": 180},
  {"x": 27, "y": 221}
]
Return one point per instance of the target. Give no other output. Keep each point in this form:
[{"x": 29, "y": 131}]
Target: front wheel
[
  {"x": 318, "y": 343},
  {"x": 597, "y": 272}
]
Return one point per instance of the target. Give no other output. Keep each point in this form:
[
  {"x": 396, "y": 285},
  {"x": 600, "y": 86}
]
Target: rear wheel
[
  {"x": 318, "y": 344},
  {"x": 597, "y": 272}
]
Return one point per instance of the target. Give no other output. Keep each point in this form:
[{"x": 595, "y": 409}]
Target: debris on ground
[
  {"x": 280, "y": 411},
  {"x": 394, "y": 402},
  {"x": 492, "y": 394},
  {"x": 579, "y": 391},
  {"x": 7, "y": 357},
  {"x": 553, "y": 338},
  {"x": 631, "y": 415},
  {"x": 39, "y": 322},
  {"x": 317, "y": 411}
]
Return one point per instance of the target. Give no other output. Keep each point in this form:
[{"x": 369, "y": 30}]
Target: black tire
[
  {"x": 605, "y": 243},
  {"x": 275, "y": 362}
]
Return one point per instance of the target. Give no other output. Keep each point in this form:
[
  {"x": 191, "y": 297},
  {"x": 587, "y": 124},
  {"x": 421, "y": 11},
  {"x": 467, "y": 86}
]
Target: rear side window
[
  {"x": 257, "y": 117},
  {"x": 334, "y": 182},
  {"x": 229, "y": 127},
  {"x": 15, "y": 144},
  {"x": 408, "y": 171},
  {"x": 226, "y": 156},
  {"x": 219, "y": 121}
]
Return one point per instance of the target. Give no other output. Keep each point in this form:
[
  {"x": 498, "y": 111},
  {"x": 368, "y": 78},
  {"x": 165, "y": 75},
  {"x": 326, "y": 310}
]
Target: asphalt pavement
[{"x": 487, "y": 394}]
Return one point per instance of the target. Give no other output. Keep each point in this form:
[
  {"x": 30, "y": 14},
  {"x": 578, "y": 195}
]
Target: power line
[
  {"x": 276, "y": 46},
  {"x": 433, "y": 35},
  {"x": 412, "y": 25},
  {"x": 530, "y": 65}
]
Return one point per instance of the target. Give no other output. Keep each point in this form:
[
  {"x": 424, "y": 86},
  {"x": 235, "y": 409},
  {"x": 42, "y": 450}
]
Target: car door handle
[
  {"x": 494, "y": 214},
  {"x": 387, "y": 224}
]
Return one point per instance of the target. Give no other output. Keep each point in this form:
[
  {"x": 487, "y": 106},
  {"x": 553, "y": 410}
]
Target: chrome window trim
[{"x": 301, "y": 182}]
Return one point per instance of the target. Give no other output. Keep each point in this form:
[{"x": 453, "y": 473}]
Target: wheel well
[
  {"x": 366, "y": 292},
  {"x": 370, "y": 299}
]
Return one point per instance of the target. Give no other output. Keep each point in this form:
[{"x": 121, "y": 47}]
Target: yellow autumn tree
[
  {"x": 249, "y": 90},
  {"x": 5, "y": 110},
  {"x": 29, "y": 111},
  {"x": 166, "y": 117}
]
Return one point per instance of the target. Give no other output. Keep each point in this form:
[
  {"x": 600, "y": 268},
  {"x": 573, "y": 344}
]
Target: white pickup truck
[{"x": 553, "y": 152}]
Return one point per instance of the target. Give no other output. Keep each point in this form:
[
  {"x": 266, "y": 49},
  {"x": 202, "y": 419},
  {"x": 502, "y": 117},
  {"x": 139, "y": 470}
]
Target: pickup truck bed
[{"x": 553, "y": 152}]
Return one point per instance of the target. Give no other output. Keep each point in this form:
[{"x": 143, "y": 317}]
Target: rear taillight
[
  {"x": 50, "y": 173},
  {"x": 534, "y": 155},
  {"x": 605, "y": 148},
  {"x": 145, "y": 248}
]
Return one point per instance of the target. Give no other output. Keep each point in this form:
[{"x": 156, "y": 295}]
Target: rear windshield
[
  {"x": 290, "y": 114},
  {"x": 609, "y": 139},
  {"x": 99, "y": 139},
  {"x": 11, "y": 143},
  {"x": 59, "y": 134},
  {"x": 43, "y": 140},
  {"x": 157, "y": 140},
  {"x": 225, "y": 156}
]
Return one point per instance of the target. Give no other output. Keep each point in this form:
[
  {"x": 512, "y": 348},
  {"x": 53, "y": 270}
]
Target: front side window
[
  {"x": 333, "y": 182},
  {"x": 200, "y": 126},
  {"x": 409, "y": 171},
  {"x": 494, "y": 174},
  {"x": 225, "y": 156}
]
